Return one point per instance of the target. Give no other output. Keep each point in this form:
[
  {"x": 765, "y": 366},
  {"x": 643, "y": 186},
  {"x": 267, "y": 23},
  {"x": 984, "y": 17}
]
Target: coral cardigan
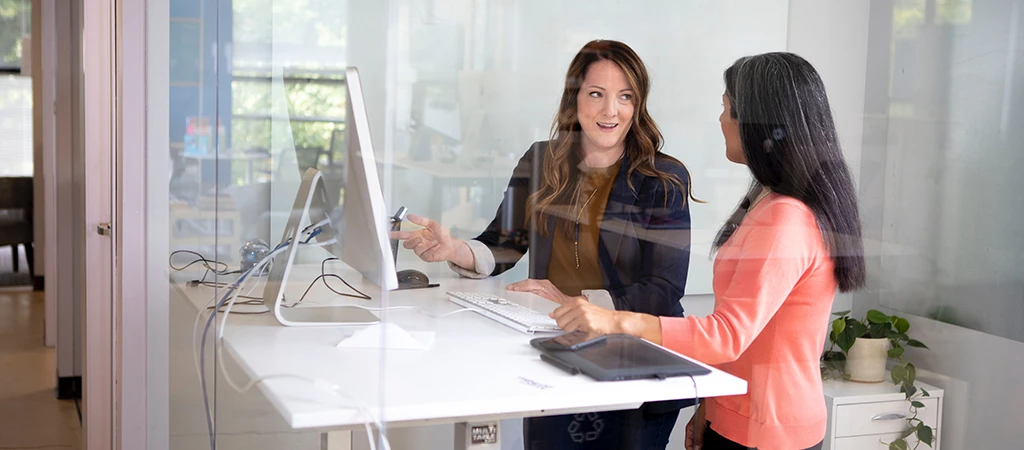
[{"x": 774, "y": 286}]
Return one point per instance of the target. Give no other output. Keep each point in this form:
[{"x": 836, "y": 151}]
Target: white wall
[
  {"x": 38, "y": 181},
  {"x": 43, "y": 34},
  {"x": 517, "y": 56},
  {"x": 833, "y": 36},
  {"x": 66, "y": 245}
]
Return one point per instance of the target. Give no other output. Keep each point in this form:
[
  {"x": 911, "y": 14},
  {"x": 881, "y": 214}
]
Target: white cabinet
[{"x": 870, "y": 415}]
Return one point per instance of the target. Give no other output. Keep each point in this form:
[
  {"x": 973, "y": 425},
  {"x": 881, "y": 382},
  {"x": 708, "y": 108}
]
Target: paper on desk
[{"x": 388, "y": 336}]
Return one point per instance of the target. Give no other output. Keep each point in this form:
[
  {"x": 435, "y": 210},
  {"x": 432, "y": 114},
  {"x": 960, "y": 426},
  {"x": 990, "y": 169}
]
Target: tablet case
[{"x": 621, "y": 357}]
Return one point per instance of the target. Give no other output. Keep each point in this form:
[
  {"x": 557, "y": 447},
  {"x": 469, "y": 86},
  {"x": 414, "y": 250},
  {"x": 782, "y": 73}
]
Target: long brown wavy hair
[{"x": 560, "y": 171}]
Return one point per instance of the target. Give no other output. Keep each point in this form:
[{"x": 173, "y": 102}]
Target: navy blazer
[
  {"x": 644, "y": 243},
  {"x": 643, "y": 247}
]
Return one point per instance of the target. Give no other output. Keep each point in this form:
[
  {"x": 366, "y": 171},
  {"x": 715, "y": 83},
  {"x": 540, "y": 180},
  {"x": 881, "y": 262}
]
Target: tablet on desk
[{"x": 620, "y": 357}]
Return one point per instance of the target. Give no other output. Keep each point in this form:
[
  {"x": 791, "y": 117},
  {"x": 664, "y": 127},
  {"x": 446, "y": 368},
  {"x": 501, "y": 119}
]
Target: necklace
[
  {"x": 576, "y": 230},
  {"x": 760, "y": 197}
]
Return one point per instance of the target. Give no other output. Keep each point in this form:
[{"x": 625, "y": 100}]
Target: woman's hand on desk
[
  {"x": 587, "y": 317},
  {"x": 434, "y": 243},
  {"x": 545, "y": 289}
]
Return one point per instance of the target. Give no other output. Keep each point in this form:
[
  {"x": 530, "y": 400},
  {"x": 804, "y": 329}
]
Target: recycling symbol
[{"x": 585, "y": 427}]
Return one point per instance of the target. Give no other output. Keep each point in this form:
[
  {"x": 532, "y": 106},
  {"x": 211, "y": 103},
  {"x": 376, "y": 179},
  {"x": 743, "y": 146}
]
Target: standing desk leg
[
  {"x": 477, "y": 436},
  {"x": 336, "y": 440}
]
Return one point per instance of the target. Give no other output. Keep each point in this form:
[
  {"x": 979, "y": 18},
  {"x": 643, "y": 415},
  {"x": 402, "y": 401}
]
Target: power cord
[
  {"x": 316, "y": 225},
  {"x": 212, "y": 266},
  {"x": 362, "y": 296},
  {"x": 696, "y": 408},
  {"x": 323, "y": 277}
]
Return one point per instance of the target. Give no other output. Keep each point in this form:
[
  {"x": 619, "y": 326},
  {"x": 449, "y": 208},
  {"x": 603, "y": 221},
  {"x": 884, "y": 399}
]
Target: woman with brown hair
[{"x": 605, "y": 216}]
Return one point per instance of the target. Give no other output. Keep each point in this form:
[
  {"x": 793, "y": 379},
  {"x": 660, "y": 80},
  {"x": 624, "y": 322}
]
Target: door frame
[
  {"x": 99, "y": 352},
  {"x": 141, "y": 153}
]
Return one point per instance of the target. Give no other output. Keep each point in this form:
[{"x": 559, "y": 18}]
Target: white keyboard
[{"x": 509, "y": 313}]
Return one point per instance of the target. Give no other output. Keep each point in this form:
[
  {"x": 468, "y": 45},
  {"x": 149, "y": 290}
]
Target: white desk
[{"x": 476, "y": 370}]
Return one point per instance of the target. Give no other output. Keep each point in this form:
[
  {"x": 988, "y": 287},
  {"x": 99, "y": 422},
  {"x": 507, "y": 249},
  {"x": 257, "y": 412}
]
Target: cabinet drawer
[
  {"x": 882, "y": 417},
  {"x": 874, "y": 442}
]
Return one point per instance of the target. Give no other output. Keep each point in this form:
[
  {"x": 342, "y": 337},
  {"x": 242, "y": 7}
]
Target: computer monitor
[{"x": 364, "y": 245}]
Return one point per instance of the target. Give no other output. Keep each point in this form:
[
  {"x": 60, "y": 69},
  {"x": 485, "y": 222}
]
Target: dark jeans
[
  {"x": 610, "y": 430},
  {"x": 715, "y": 441}
]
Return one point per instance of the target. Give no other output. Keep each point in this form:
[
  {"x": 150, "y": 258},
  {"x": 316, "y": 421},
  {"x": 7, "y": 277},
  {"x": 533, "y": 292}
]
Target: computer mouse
[{"x": 411, "y": 278}]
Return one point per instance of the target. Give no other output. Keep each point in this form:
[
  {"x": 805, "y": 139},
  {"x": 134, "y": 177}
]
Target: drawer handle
[{"x": 890, "y": 416}]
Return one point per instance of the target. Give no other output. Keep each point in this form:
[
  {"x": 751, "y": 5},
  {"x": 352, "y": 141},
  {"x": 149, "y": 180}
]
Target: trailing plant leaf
[
  {"x": 856, "y": 329},
  {"x": 909, "y": 431},
  {"x": 910, "y": 390},
  {"x": 899, "y": 373},
  {"x": 838, "y": 326},
  {"x": 911, "y": 373},
  {"x": 916, "y": 343},
  {"x": 895, "y": 352},
  {"x": 845, "y": 341},
  {"x": 833, "y": 364},
  {"x": 841, "y": 313},
  {"x": 925, "y": 392},
  {"x": 899, "y": 444},
  {"x": 917, "y": 404},
  {"x": 876, "y": 316},
  {"x": 924, "y": 434},
  {"x": 880, "y": 330},
  {"x": 902, "y": 325}
]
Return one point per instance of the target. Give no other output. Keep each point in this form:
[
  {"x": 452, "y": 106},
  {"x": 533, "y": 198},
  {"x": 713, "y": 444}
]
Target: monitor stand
[{"x": 307, "y": 204}]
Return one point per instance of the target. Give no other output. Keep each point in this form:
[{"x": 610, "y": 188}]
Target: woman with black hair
[{"x": 792, "y": 242}]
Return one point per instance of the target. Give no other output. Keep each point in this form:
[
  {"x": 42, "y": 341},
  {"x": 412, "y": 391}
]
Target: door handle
[
  {"x": 103, "y": 229},
  {"x": 891, "y": 416}
]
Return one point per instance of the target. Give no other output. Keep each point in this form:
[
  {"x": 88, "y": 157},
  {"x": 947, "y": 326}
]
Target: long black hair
[{"x": 791, "y": 146}]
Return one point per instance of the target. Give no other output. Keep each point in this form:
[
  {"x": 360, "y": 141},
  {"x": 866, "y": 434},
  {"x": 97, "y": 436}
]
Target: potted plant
[{"x": 865, "y": 345}]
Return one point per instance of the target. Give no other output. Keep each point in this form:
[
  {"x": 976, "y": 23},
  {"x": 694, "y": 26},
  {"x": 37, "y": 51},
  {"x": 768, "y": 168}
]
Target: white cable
[
  {"x": 236, "y": 288},
  {"x": 407, "y": 308},
  {"x": 195, "y": 327},
  {"x": 220, "y": 345},
  {"x": 196, "y": 346},
  {"x": 456, "y": 312},
  {"x": 234, "y": 296}
]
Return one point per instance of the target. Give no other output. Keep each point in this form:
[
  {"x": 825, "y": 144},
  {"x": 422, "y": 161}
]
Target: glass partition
[
  {"x": 957, "y": 241},
  {"x": 257, "y": 96},
  {"x": 452, "y": 95}
]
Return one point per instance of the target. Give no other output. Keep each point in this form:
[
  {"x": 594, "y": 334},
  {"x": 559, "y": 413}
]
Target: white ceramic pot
[{"x": 866, "y": 360}]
